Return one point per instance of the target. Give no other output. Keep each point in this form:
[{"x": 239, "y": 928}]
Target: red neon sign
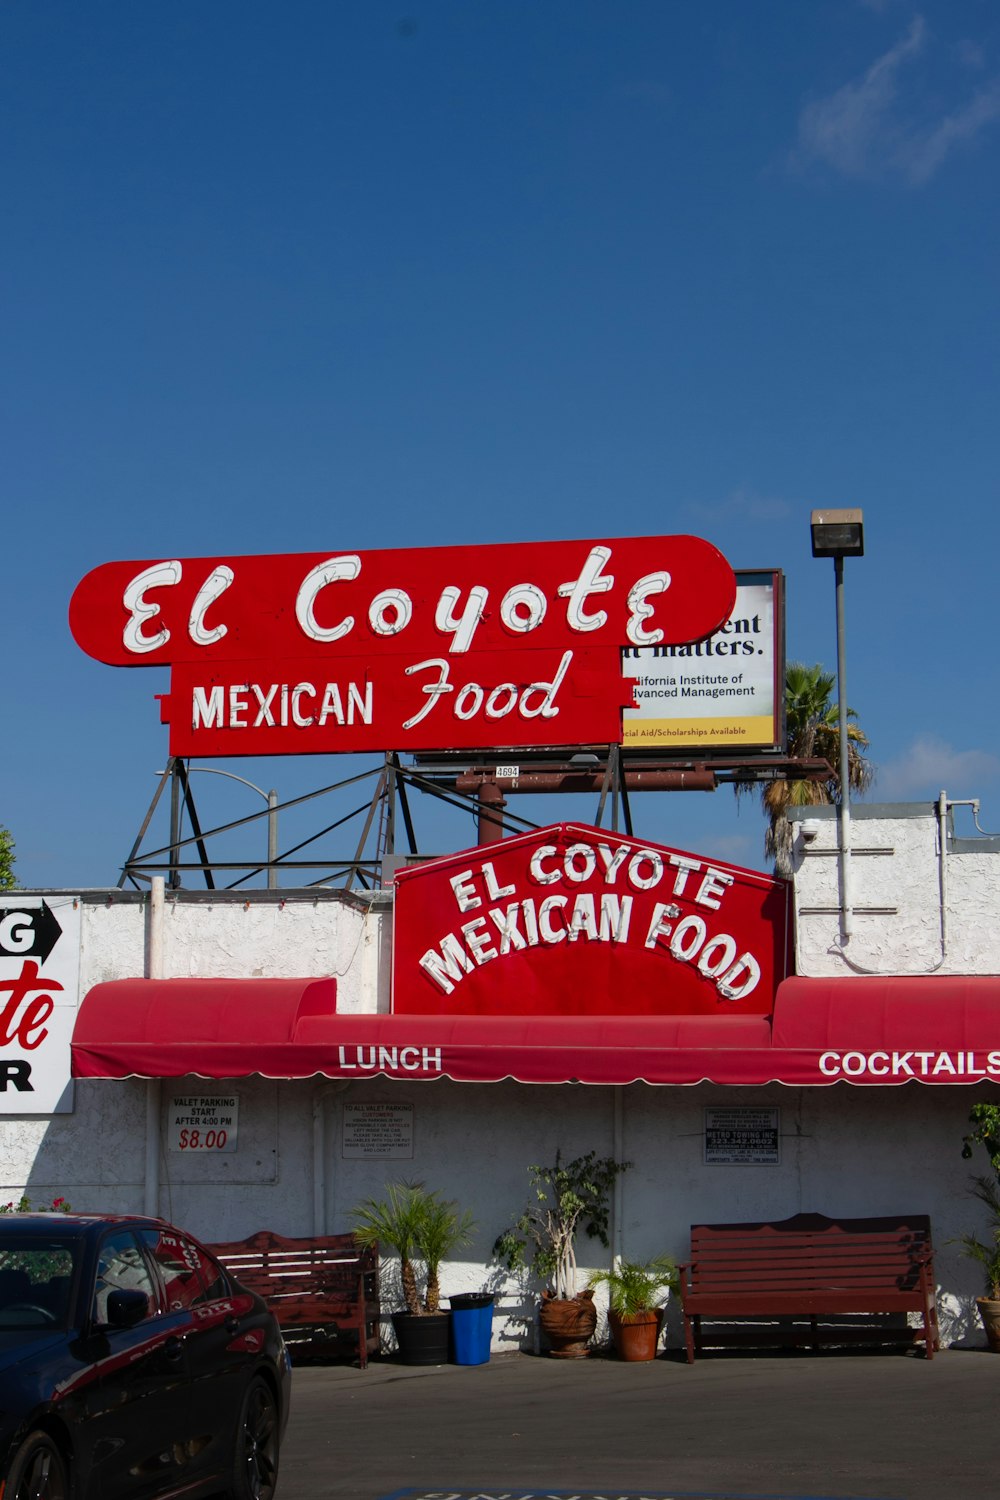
[
  {"x": 544, "y": 697},
  {"x": 573, "y": 920},
  {"x": 447, "y": 646}
]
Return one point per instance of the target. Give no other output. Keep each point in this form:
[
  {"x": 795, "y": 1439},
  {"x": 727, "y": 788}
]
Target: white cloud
[
  {"x": 930, "y": 765},
  {"x": 877, "y": 126},
  {"x": 970, "y": 54},
  {"x": 923, "y": 157}
]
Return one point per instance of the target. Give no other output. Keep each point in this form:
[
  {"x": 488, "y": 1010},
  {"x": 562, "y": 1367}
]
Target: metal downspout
[{"x": 618, "y": 1198}]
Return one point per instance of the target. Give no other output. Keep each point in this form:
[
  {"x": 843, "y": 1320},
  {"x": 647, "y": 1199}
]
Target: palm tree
[
  {"x": 419, "y": 1226},
  {"x": 394, "y": 1221},
  {"x": 812, "y": 722},
  {"x": 441, "y": 1230}
]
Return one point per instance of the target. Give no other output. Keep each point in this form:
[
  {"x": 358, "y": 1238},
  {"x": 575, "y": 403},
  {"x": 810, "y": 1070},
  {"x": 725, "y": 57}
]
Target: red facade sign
[
  {"x": 359, "y": 705},
  {"x": 573, "y": 920},
  {"x": 459, "y": 647}
]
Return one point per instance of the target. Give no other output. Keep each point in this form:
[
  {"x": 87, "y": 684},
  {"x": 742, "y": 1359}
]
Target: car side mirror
[{"x": 126, "y": 1307}]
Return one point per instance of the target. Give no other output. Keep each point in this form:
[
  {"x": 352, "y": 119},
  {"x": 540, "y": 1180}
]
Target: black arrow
[{"x": 45, "y": 932}]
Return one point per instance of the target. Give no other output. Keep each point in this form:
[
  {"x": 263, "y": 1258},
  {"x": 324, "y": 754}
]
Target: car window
[
  {"x": 121, "y": 1266},
  {"x": 36, "y": 1280},
  {"x": 189, "y": 1275}
]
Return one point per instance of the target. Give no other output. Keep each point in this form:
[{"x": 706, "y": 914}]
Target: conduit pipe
[
  {"x": 944, "y": 807},
  {"x": 320, "y": 1154},
  {"x": 942, "y": 812},
  {"x": 154, "y": 970},
  {"x": 618, "y": 1200},
  {"x": 698, "y": 779}
]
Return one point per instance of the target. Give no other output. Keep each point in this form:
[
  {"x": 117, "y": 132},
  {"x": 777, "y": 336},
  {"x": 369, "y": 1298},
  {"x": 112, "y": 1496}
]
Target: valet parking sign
[
  {"x": 576, "y": 920},
  {"x": 39, "y": 998}
]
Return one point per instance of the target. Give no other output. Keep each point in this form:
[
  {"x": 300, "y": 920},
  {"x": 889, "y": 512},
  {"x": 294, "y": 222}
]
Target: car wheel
[
  {"x": 255, "y": 1458},
  {"x": 37, "y": 1471}
]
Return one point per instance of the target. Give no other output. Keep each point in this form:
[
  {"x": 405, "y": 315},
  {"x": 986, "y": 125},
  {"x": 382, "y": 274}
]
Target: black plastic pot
[{"x": 422, "y": 1337}]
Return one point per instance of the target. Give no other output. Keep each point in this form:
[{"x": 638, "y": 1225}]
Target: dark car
[{"x": 132, "y": 1365}]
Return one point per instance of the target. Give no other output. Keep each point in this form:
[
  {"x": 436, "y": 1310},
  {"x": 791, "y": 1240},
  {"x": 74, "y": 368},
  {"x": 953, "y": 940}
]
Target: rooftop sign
[
  {"x": 424, "y": 648},
  {"x": 574, "y": 920}
]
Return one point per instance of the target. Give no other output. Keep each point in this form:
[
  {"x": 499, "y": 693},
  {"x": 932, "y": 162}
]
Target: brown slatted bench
[
  {"x": 809, "y": 1267},
  {"x": 319, "y": 1289}
]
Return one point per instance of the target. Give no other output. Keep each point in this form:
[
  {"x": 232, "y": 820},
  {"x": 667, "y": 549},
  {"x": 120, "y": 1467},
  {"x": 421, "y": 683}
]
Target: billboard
[
  {"x": 415, "y": 649},
  {"x": 723, "y": 693}
]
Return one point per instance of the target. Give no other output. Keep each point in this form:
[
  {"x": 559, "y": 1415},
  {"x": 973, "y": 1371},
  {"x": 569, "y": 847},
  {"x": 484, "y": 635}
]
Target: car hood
[{"x": 19, "y": 1345}]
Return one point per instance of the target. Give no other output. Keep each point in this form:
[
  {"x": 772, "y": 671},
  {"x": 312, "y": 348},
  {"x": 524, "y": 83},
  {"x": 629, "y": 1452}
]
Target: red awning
[
  {"x": 894, "y": 1028},
  {"x": 164, "y": 1028},
  {"x": 866, "y": 1031},
  {"x": 290, "y": 1028}
]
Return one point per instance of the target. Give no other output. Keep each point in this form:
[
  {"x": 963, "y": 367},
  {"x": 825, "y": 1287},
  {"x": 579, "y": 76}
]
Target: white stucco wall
[
  {"x": 844, "y": 1150},
  {"x": 914, "y": 912},
  {"x": 252, "y": 936}
]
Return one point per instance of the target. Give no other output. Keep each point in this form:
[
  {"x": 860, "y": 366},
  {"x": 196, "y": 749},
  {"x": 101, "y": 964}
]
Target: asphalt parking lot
[{"x": 885, "y": 1426}]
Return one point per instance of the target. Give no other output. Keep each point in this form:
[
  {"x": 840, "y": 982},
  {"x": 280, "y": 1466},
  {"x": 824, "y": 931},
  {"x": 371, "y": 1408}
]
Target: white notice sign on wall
[
  {"x": 743, "y": 1136},
  {"x": 378, "y": 1130},
  {"x": 203, "y": 1122}
]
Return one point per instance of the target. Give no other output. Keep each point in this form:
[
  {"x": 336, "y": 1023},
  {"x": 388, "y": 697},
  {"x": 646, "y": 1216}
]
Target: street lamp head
[{"x": 838, "y": 533}]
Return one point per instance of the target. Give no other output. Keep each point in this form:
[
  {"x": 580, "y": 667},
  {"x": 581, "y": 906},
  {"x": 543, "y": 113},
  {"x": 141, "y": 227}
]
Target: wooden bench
[
  {"x": 809, "y": 1267},
  {"x": 319, "y": 1289}
]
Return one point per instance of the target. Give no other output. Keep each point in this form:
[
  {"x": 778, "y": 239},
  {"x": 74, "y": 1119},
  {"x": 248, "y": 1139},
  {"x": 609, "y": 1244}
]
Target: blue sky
[{"x": 328, "y": 276}]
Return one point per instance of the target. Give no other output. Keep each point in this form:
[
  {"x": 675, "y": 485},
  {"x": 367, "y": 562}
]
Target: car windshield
[{"x": 36, "y": 1280}]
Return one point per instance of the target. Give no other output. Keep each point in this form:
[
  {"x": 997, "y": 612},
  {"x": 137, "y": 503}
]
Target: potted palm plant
[
  {"x": 987, "y": 1190},
  {"x": 566, "y": 1198},
  {"x": 984, "y": 1130},
  {"x": 423, "y": 1229},
  {"x": 636, "y": 1290}
]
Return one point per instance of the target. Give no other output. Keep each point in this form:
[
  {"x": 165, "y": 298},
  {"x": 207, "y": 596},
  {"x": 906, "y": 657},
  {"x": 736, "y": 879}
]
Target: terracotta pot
[
  {"x": 635, "y": 1337},
  {"x": 568, "y": 1323},
  {"x": 989, "y": 1311}
]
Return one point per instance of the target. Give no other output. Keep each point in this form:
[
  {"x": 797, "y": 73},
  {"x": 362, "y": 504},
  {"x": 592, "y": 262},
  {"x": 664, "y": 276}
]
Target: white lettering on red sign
[
  {"x": 607, "y": 918},
  {"x": 467, "y": 598},
  {"x": 909, "y": 1064},
  {"x": 518, "y": 644},
  {"x": 389, "y": 1059},
  {"x": 522, "y": 608},
  {"x": 254, "y": 705},
  {"x": 538, "y": 698}
]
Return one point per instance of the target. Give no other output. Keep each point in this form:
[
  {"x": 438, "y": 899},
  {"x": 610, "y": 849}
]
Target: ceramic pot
[
  {"x": 989, "y": 1311},
  {"x": 636, "y": 1336},
  {"x": 568, "y": 1324},
  {"x": 422, "y": 1337}
]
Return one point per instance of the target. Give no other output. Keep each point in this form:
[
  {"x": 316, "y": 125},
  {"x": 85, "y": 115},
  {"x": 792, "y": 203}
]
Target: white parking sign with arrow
[{"x": 39, "y": 997}]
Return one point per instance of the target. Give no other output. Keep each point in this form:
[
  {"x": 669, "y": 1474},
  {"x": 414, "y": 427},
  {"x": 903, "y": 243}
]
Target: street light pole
[
  {"x": 847, "y": 913},
  {"x": 839, "y": 534},
  {"x": 272, "y": 840},
  {"x": 271, "y": 798}
]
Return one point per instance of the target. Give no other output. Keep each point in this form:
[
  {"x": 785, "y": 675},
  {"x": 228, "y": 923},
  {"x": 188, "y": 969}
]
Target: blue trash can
[{"x": 471, "y": 1327}]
